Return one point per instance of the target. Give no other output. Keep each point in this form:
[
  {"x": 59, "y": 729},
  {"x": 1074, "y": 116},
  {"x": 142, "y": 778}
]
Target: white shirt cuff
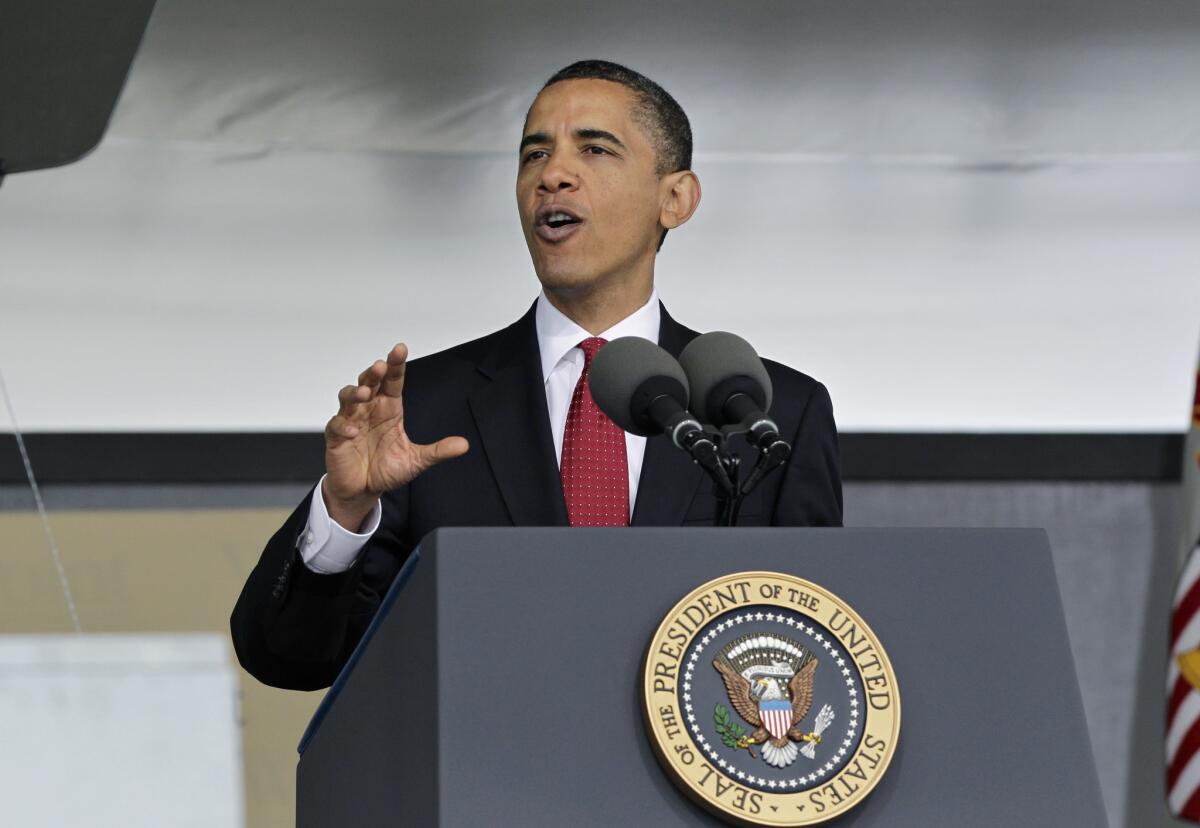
[{"x": 327, "y": 547}]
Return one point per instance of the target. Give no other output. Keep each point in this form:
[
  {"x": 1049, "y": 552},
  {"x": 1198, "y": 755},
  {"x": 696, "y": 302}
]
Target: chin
[{"x": 565, "y": 279}]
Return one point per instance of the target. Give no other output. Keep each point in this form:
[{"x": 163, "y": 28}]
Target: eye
[
  {"x": 596, "y": 150},
  {"x": 533, "y": 155}
]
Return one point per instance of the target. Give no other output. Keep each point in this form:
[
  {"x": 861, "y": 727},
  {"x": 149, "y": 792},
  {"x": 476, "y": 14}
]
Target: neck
[{"x": 598, "y": 307}]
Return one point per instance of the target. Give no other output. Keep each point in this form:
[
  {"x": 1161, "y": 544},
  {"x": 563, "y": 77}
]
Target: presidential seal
[{"x": 769, "y": 701}]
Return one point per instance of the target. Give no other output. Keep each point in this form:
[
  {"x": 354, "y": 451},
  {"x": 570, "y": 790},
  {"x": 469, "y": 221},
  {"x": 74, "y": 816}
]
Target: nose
[{"x": 558, "y": 174}]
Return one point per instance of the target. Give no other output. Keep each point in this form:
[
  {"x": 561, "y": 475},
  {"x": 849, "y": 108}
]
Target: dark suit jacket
[{"x": 295, "y": 628}]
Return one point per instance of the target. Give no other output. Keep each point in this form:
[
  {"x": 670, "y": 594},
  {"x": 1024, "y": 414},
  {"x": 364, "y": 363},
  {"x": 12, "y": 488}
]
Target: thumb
[{"x": 445, "y": 449}]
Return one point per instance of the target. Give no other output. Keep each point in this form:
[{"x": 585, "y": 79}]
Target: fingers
[
  {"x": 351, "y": 396},
  {"x": 393, "y": 379},
  {"x": 368, "y": 385},
  {"x": 373, "y": 375},
  {"x": 445, "y": 449},
  {"x": 339, "y": 429},
  {"x": 382, "y": 375}
]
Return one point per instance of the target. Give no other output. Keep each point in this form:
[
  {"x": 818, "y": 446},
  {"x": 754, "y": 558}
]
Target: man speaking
[{"x": 503, "y": 431}]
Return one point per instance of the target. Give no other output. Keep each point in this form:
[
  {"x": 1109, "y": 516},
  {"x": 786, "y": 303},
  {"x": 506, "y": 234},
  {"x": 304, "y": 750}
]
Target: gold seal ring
[{"x": 769, "y": 701}]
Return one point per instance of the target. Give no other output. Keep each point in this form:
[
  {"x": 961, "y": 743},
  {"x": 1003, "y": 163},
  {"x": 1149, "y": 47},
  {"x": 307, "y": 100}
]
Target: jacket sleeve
[
  {"x": 295, "y": 628},
  {"x": 811, "y": 491}
]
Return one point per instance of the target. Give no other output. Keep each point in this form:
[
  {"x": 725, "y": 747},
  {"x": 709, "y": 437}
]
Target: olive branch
[{"x": 731, "y": 733}]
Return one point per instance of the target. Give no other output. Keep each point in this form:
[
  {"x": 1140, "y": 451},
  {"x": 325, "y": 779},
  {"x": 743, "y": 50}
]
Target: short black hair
[{"x": 656, "y": 111}]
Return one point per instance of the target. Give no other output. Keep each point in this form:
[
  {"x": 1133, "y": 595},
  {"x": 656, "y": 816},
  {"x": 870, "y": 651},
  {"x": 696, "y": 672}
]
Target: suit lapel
[
  {"x": 669, "y": 478},
  {"x": 510, "y": 413}
]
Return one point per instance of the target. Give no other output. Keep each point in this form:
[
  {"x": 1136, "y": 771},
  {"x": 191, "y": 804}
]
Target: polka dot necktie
[{"x": 594, "y": 468}]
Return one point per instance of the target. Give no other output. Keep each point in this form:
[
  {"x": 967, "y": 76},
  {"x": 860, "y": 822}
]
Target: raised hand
[{"x": 367, "y": 450}]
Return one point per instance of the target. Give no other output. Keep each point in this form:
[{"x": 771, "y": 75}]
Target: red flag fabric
[{"x": 1183, "y": 671}]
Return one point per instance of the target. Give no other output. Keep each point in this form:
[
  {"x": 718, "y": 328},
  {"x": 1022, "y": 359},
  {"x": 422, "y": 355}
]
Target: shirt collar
[{"x": 557, "y": 333}]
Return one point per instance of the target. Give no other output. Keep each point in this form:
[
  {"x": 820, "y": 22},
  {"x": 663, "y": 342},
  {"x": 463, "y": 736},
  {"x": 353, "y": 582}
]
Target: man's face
[{"x": 587, "y": 190}]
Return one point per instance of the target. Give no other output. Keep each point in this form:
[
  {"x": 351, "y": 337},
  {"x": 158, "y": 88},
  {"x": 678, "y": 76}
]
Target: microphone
[
  {"x": 731, "y": 388},
  {"x": 645, "y": 391}
]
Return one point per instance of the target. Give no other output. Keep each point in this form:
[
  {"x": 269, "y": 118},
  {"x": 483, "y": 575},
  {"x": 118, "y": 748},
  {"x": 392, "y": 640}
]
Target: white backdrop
[
  {"x": 959, "y": 215},
  {"x": 120, "y": 731}
]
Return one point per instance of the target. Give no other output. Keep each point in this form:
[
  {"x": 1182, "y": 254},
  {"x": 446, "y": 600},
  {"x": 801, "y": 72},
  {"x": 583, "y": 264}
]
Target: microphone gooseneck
[{"x": 743, "y": 410}]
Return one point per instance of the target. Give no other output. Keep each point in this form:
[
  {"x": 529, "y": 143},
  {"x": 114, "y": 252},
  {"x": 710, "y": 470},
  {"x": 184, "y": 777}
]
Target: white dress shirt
[{"x": 328, "y": 548}]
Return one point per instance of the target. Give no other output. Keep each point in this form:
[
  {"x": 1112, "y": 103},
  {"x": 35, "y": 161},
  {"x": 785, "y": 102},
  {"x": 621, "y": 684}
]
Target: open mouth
[
  {"x": 555, "y": 224},
  {"x": 557, "y": 220}
]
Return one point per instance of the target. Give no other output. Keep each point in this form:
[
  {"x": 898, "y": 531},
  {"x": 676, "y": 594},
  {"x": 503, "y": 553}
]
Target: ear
[{"x": 680, "y": 196}]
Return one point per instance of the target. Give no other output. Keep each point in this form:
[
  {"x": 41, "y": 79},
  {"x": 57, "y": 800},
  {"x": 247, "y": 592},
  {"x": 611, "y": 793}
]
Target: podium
[{"x": 499, "y": 683}]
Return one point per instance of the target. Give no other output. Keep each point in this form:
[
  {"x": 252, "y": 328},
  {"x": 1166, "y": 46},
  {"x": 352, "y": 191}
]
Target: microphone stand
[{"x": 729, "y": 502}]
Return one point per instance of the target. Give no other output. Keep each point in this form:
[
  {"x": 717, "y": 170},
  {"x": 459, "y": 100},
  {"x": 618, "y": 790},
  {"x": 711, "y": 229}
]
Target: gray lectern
[{"x": 499, "y": 685}]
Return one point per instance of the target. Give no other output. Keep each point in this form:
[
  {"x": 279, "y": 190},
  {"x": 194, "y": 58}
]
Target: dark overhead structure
[{"x": 62, "y": 65}]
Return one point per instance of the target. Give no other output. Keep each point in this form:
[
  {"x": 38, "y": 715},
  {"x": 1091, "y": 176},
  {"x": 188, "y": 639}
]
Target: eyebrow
[
  {"x": 534, "y": 138},
  {"x": 599, "y": 134},
  {"x": 584, "y": 133}
]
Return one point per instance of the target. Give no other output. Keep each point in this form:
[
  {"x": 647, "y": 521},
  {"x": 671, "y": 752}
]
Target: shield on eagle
[{"x": 776, "y": 716}]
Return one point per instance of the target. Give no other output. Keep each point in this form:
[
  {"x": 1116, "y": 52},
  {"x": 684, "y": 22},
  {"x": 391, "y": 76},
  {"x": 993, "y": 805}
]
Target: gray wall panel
[{"x": 1115, "y": 554}]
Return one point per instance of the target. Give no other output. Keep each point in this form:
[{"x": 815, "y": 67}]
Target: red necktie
[{"x": 594, "y": 468}]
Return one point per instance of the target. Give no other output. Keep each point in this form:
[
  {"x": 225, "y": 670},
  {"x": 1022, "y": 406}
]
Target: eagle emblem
[{"x": 769, "y": 680}]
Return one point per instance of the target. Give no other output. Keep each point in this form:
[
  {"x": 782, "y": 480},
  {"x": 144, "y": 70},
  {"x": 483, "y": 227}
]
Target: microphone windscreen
[
  {"x": 621, "y": 368},
  {"x": 720, "y": 364}
]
